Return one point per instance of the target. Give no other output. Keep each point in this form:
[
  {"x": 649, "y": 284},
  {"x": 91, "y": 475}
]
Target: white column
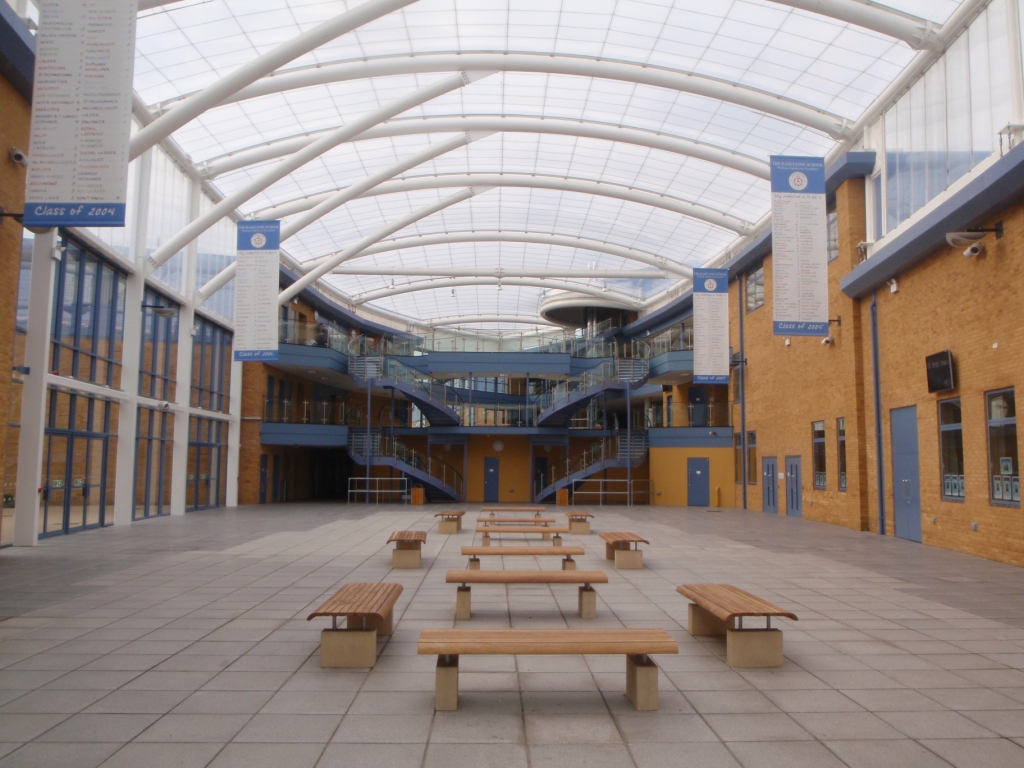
[
  {"x": 234, "y": 434},
  {"x": 131, "y": 353},
  {"x": 33, "y": 400},
  {"x": 1014, "y": 66},
  {"x": 183, "y": 371}
]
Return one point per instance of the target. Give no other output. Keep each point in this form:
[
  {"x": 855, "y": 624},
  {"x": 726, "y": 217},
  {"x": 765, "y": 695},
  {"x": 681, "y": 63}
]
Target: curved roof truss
[{"x": 561, "y": 285}]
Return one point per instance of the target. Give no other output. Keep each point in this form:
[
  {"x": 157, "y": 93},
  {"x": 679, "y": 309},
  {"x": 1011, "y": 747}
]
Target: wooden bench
[
  {"x": 714, "y": 608},
  {"x": 515, "y": 520},
  {"x": 587, "y": 595},
  {"x": 537, "y": 510},
  {"x": 545, "y": 531},
  {"x": 450, "y": 522},
  {"x": 617, "y": 547},
  {"x": 636, "y": 644},
  {"x": 568, "y": 564},
  {"x": 579, "y": 522},
  {"x": 368, "y": 610},
  {"x": 407, "y": 548}
]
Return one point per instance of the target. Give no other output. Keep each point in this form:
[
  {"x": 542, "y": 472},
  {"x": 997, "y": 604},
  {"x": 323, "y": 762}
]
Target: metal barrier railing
[
  {"x": 390, "y": 490},
  {"x": 614, "y": 491}
]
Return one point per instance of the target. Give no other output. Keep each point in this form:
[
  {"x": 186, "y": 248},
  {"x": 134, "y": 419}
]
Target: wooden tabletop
[
  {"x": 450, "y": 513},
  {"x": 522, "y": 529},
  {"x": 526, "y": 577},
  {"x": 420, "y": 536},
  {"x": 728, "y": 602},
  {"x": 523, "y": 551},
  {"x": 360, "y": 600},
  {"x": 515, "y": 520},
  {"x": 512, "y": 509},
  {"x": 615, "y": 537},
  {"x": 574, "y": 513},
  {"x": 545, "y": 641}
]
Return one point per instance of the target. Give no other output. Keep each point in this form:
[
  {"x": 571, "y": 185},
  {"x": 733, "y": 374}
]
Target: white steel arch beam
[
  {"x": 471, "y": 319},
  {"x": 501, "y": 123},
  {"x": 584, "y": 186},
  {"x": 199, "y": 225},
  {"x": 389, "y": 229},
  {"x": 539, "y": 238},
  {"x": 640, "y": 74},
  {"x": 455, "y": 282},
  {"x": 502, "y": 272},
  {"x": 215, "y": 93},
  {"x": 354, "y": 190},
  {"x": 916, "y": 32}
]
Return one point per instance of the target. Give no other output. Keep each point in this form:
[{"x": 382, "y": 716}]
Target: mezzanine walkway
[{"x": 182, "y": 642}]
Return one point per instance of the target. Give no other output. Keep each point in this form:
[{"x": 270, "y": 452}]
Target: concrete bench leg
[
  {"x": 753, "y": 647},
  {"x": 348, "y": 648},
  {"x": 486, "y": 540},
  {"x": 557, "y": 540},
  {"x": 568, "y": 564},
  {"x": 642, "y": 682},
  {"x": 579, "y": 526},
  {"x": 448, "y": 526},
  {"x": 383, "y": 628},
  {"x": 609, "y": 551},
  {"x": 704, "y": 624},
  {"x": 588, "y": 602},
  {"x": 545, "y": 536},
  {"x": 446, "y": 697},
  {"x": 462, "y": 603},
  {"x": 406, "y": 555},
  {"x": 474, "y": 563},
  {"x": 629, "y": 559}
]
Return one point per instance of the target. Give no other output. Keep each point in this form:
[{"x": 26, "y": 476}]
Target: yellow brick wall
[{"x": 668, "y": 472}]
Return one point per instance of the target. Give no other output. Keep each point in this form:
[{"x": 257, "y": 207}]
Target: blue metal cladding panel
[
  {"x": 492, "y": 363},
  {"x": 17, "y": 52},
  {"x": 311, "y": 357},
  {"x": 690, "y": 437},
  {"x": 317, "y": 435},
  {"x": 906, "y": 473},
  {"x": 698, "y": 482},
  {"x": 680, "y": 361}
]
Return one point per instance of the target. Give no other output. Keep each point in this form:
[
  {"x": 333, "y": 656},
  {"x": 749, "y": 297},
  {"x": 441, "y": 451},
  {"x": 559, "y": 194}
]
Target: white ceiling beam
[
  {"x": 389, "y": 229},
  {"x": 501, "y": 272},
  {"x": 505, "y": 124},
  {"x": 539, "y": 238},
  {"x": 532, "y": 181},
  {"x": 640, "y": 74},
  {"x": 488, "y": 319},
  {"x": 455, "y": 282},
  {"x": 916, "y": 32},
  {"x": 197, "y": 103},
  {"x": 295, "y": 161}
]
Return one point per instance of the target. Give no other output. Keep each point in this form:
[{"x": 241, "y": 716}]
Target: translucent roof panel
[{"x": 818, "y": 71}]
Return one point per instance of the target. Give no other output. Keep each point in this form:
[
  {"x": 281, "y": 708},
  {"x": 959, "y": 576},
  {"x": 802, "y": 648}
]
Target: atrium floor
[{"x": 183, "y": 642}]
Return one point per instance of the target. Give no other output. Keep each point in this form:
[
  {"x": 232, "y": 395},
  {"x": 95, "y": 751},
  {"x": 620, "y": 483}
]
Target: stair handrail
[
  {"x": 436, "y": 468},
  {"x": 433, "y": 388}
]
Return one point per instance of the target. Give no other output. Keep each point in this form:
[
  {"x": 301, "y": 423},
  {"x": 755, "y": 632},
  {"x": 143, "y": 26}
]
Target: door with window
[
  {"x": 770, "y": 485},
  {"x": 906, "y": 480},
  {"x": 794, "y": 494},
  {"x": 698, "y": 482}
]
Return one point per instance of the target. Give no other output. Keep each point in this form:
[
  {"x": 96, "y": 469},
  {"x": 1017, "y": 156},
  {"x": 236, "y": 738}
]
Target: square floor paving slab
[
  {"x": 785, "y": 754},
  {"x": 490, "y": 755},
  {"x": 471, "y": 726},
  {"x": 813, "y": 701},
  {"x": 309, "y": 703},
  {"x": 886, "y": 754},
  {"x": 51, "y": 702},
  {"x": 694, "y": 755},
  {"x": 99, "y": 727},
  {"x": 579, "y": 756},
  {"x": 828, "y": 726},
  {"x": 978, "y": 753},
  {"x": 132, "y": 702},
  {"x": 163, "y": 756},
  {"x": 570, "y": 729},
  {"x": 656, "y": 727},
  {"x": 270, "y": 756},
  {"x": 70, "y": 755},
  {"x": 224, "y": 702},
  {"x": 935, "y": 725},
  {"x": 194, "y": 728},
  {"x": 1008, "y": 723},
  {"x": 399, "y": 729},
  {"x": 756, "y": 727}
]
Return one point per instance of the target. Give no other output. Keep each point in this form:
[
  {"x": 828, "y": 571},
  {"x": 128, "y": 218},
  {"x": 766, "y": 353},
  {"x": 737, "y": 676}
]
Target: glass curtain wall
[
  {"x": 207, "y": 463},
  {"x": 211, "y": 367},
  {"x": 153, "y": 451}
]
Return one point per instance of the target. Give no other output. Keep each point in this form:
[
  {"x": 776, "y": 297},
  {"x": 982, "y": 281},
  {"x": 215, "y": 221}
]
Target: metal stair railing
[
  {"x": 431, "y": 388},
  {"x": 386, "y": 446}
]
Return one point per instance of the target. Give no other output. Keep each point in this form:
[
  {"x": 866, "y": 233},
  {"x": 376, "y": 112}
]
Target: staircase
[
  {"x": 610, "y": 453},
  {"x": 560, "y": 404},
  {"x": 440, "y": 481},
  {"x": 438, "y": 402}
]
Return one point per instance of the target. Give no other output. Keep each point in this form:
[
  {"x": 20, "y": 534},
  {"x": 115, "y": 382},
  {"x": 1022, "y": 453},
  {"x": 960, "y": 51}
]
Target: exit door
[
  {"x": 770, "y": 485},
  {"x": 906, "y": 488},
  {"x": 698, "y": 482},
  {"x": 491, "y": 478},
  {"x": 794, "y": 495}
]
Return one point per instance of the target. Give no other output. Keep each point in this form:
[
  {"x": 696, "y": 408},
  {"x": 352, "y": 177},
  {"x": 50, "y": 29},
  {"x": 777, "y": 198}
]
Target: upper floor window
[
  {"x": 841, "y": 433},
  {"x": 755, "y": 288},
  {"x": 818, "y": 453},
  {"x": 1002, "y": 446},
  {"x": 211, "y": 366},
  {"x": 158, "y": 363},
  {"x": 833, "y": 236}
]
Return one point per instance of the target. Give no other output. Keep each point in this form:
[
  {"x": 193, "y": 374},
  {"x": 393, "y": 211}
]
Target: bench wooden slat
[
  {"x": 493, "y": 530},
  {"x": 545, "y": 641},
  {"x": 450, "y": 513},
  {"x": 523, "y": 551},
  {"x": 359, "y": 599},
  {"x": 420, "y": 536},
  {"x": 728, "y": 602},
  {"x": 513, "y": 509},
  {"x": 579, "y": 515},
  {"x": 616, "y": 537},
  {"x": 526, "y": 577},
  {"x": 515, "y": 520}
]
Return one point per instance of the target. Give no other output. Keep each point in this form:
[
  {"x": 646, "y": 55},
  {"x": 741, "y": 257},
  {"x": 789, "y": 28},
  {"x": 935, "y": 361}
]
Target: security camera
[
  {"x": 826, "y": 341},
  {"x": 18, "y": 156},
  {"x": 974, "y": 249},
  {"x": 165, "y": 406},
  {"x": 962, "y": 239}
]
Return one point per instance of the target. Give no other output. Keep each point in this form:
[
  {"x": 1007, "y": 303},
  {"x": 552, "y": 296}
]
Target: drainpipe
[
  {"x": 743, "y": 396},
  {"x": 629, "y": 449},
  {"x": 877, "y": 377}
]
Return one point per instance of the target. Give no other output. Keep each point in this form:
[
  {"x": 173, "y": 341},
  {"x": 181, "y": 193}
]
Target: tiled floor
[{"x": 183, "y": 642}]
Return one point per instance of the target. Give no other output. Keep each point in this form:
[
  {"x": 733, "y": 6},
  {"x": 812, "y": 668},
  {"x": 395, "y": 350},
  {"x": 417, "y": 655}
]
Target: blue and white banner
[
  {"x": 81, "y": 114},
  {"x": 257, "y": 285},
  {"x": 799, "y": 247},
  {"x": 710, "y": 326}
]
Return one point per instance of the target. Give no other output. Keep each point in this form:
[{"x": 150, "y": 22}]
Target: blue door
[
  {"x": 906, "y": 488},
  {"x": 794, "y": 497},
  {"x": 698, "y": 406},
  {"x": 490, "y": 478},
  {"x": 770, "y": 485},
  {"x": 698, "y": 482}
]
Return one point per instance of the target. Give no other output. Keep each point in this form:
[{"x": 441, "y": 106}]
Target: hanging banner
[
  {"x": 710, "y": 326},
  {"x": 81, "y": 114},
  {"x": 799, "y": 246},
  {"x": 256, "y": 289}
]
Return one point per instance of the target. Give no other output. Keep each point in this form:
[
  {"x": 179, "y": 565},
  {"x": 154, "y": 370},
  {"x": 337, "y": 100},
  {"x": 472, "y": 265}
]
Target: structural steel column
[
  {"x": 234, "y": 434},
  {"x": 34, "y": 393}
]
